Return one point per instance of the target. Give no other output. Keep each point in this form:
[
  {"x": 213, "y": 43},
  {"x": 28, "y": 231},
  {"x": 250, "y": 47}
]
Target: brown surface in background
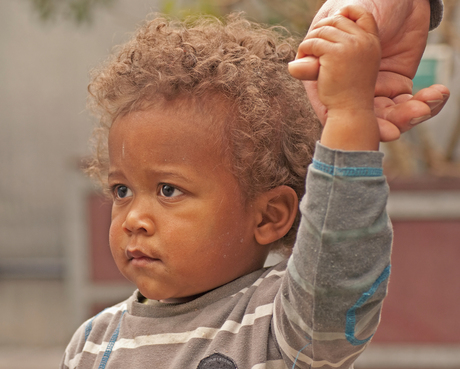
[{"x": 423, "y": 304}]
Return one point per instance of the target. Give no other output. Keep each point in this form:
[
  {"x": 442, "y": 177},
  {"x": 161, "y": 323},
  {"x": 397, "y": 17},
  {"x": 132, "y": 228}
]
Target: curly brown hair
[{"x": 271, "y": 129}]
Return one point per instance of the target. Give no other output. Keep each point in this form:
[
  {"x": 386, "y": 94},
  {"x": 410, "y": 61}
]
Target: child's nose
[{"x": 138, "y": 220}]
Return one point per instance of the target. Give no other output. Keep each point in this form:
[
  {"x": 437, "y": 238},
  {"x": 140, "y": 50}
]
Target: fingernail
[
  {"x": 445, "y": 96},
  {"x": 433, "y": 104},
  {"x": 419, "y": 120},
  {"x": 305, "y": 59}
]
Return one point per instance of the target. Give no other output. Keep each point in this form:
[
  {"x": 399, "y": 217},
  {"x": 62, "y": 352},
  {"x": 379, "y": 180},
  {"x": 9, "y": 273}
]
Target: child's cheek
[{"x": 116, "y": 237}]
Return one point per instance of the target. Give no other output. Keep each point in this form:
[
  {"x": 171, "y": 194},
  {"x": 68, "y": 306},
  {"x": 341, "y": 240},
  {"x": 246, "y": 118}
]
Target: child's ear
[{"x": 278, "y": 208}]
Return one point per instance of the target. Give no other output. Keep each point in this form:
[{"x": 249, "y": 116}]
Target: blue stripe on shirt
[
  {"x": 108, "y": 351},
  {"x": 347, "y": 171},
  {"x": 351, "y": 313}
]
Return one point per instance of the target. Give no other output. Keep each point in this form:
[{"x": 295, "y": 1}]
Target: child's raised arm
[{"x": 348, "y": 49}]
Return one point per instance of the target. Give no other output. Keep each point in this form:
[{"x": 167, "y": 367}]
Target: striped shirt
[{"x": 319, "y": 309}]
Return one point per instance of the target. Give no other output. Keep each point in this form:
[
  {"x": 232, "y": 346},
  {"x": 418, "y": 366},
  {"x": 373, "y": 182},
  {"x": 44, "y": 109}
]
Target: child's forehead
[
  {"x": 206, "y": 115},
  {"x": 179, "y": 122}
]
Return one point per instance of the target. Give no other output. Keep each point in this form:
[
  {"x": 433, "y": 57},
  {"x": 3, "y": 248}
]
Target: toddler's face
[{"x": 179, "y": 226}]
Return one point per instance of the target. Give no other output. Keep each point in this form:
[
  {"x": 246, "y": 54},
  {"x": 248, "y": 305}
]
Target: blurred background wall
[
  {"x": 53, "y": 224},
  {"x": 44, "y": 130}
]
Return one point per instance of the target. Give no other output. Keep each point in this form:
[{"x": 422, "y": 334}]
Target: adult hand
[{"x": 403, "y": 31}]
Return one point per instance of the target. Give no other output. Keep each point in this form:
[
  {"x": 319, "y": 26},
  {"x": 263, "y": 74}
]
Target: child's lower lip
[{"x": 143, "y": 261}]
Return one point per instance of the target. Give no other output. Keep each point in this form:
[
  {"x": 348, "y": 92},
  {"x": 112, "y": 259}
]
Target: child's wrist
[{"x": 351, "y": 130}]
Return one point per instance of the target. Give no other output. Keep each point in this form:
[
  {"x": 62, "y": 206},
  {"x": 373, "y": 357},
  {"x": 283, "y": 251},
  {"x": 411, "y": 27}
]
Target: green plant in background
[
  {"x": 80, "y": 11},
  {"x": 296, "y": 15}
]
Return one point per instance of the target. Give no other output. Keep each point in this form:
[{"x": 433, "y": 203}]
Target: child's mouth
[
  {"x": 143, "y": 261},
  {"x": 138, "y": 258}
]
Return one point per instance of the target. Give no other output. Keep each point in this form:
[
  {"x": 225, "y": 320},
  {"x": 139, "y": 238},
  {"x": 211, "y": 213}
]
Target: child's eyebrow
[
  {"x": 152, "y": 172},
  {"x": 167, "y": 173},
  {"x": 114, "y": 173}
]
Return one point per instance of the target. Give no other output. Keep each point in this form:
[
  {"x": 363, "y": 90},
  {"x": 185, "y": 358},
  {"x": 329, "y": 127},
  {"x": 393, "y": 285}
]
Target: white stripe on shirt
[{"x": 177, "y": 338}]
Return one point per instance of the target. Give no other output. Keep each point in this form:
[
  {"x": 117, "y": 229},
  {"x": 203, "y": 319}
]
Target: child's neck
[{"x": 181, "y": 300}]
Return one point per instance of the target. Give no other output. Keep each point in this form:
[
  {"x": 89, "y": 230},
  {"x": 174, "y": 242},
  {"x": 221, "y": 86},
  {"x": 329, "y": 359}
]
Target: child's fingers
[
  {"x": 351, "y": 19},
  {"x": 362, "y": 17},
  {"x": 337, "y": 36},
  {"x": 310, "y": 47},
  {"x": 336, "y": 21},
  {"x": 336, "y": 25},
  {"x": 316, "y": 47},
  {"x": 337, "y": 30},
  {"x": 316, "y": 42},
  {"x": 327, "y": 33}
]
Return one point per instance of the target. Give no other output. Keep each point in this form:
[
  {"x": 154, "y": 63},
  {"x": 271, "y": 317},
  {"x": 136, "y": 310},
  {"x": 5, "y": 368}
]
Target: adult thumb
[{"x": 305, "y": 69}]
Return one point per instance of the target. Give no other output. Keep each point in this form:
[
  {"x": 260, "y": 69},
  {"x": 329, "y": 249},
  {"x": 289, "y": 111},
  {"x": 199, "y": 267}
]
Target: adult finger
[
  {"x": 305, "y": 68},
  {"x": 435, "y": 97},
  {"x": 388, "y": 131},
  {"x": 390, "y": 84},
  {"x": 404, "y": 115}
]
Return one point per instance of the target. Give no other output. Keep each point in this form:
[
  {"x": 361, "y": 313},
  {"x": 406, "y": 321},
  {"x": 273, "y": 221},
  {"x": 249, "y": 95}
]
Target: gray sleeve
[
  {"x": 436, "y": 13},
  {"x": 329, "y": 305}
]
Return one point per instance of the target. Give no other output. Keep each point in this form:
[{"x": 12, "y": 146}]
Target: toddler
[{"x": 203, "y": 144}]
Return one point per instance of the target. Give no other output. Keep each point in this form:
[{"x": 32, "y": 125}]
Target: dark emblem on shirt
[{"x": 217, "y": 361}]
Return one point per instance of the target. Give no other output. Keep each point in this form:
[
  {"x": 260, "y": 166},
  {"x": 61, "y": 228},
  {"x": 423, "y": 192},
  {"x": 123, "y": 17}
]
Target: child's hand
[
  {"x": 403, "y": 31},
  {"x": 348, "y": 50}
]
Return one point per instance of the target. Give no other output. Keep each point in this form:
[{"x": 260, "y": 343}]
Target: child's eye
[
  {"x": 121, "y": 192},
  {"x": 169, "y": 191}
]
